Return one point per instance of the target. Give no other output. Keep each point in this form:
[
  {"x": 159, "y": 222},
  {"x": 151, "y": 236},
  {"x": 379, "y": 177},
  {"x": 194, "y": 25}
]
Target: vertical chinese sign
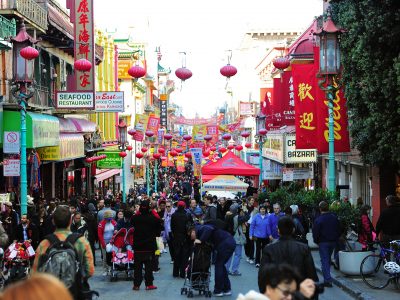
[
  {"x": 163, "y": 110},
  {"x": 81, "y": 15}
]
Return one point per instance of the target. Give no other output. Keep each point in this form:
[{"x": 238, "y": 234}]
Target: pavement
[
  {"x": 170, "y": 287},
  {"x": 355, "y": 286}
]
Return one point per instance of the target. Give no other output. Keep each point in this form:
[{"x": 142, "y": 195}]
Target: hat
[
  {"x": 108, "y": 214},
  {"x": 181, "y": 204},
  {"x": 91, "y": 207},
  {"x": 234, "y": 208}
]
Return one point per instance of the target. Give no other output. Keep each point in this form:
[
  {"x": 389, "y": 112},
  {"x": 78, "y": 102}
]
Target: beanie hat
[
  {"x": 181, "y": 204},
  {"x": 108, "y": 214},
  {"x": 234, "y": 208}
]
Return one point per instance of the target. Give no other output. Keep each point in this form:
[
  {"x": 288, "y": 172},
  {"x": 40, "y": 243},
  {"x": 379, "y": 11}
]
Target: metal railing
[
  {"x": 7, "y": 28},
  {"x": 30, "y": 9}
]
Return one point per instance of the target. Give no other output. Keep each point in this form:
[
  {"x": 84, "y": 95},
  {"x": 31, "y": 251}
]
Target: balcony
[
  {"x": 40, "y": 99},
  {"x": 28, "y": 10},
  {"x": 7, "y": 30}
]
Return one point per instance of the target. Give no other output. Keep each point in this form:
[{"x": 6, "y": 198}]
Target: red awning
[
  {"x": 230, "y": 164},
  {"x": 83, "y": 126}
]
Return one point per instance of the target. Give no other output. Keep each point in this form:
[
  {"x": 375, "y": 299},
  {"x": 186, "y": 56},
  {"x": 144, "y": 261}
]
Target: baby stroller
[
  {"x": 120, "y": 250},
  {"x": 17, "y": 262},
  {"x": 198, "y": 272}
]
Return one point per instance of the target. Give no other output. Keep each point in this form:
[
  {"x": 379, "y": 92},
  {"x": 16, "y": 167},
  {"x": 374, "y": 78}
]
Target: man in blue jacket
[
  {"x": 224, "y": 244},
  {"x": 273, "y": 219},
  {"x": 326, "y": 232}
]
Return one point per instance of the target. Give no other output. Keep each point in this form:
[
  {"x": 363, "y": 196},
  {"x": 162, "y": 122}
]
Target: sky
[{"x": 204, "y": 30}]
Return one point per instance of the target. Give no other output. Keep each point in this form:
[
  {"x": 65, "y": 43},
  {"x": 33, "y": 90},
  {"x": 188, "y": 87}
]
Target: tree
[{"x": 370, "y": 50}]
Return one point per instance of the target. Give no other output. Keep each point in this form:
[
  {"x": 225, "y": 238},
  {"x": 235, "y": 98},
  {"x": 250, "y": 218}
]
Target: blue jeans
[
  {"x": 325, "y": 252},
  {"x": 224, "y": 252},
  {"x": 237, "y": 255}
]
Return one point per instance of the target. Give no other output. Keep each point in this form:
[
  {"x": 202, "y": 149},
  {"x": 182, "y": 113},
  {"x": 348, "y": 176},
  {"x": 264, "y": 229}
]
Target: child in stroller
[
  {"x": 121, "y": 254},
  {"x": 17, "y": 262}
]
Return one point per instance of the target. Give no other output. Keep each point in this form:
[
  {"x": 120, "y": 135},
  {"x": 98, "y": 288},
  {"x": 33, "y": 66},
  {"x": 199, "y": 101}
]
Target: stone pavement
[{"x": 355, "y": 286}]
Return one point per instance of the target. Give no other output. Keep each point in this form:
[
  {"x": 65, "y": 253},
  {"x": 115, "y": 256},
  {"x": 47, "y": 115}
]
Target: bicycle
[{"x": 377, "y": 270}]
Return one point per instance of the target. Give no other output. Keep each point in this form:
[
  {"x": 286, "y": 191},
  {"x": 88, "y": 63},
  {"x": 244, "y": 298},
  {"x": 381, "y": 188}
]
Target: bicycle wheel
[{"x": 373, "y": 273}]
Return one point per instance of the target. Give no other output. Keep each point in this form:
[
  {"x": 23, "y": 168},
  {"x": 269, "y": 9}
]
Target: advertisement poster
[
  {"x": 197, "y": 156},
  {"x": 140, "y": 127}
]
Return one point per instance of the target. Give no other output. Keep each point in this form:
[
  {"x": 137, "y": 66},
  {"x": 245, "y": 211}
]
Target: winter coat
[
  {"x": 259, "y": 227},
  {"x": 180, "y": 222},
  {"x": 273, "y": 224},
  {"x": 32, "y": 233},
  {"x": 211, "y": 213},
  {"x": 326, "y": 228},
  {"x": 3, "y": 237},
  {"x": 100, "y": 231},
  {"x": 252, "y": 295},
  {"x": 147, "y": 228},
  {"x": 366, "y": 229}
]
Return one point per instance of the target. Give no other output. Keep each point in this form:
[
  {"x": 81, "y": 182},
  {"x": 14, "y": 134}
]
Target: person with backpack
[{"x": 66, "y": 255}]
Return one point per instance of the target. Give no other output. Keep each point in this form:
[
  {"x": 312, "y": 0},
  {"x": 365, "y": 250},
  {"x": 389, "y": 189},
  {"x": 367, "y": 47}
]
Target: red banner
[
  {"x": 213, "y": 131},
  {"x": 153, "y": 123},
  {"x": 274, "y": 120},
  {"x": 305, "y": 91},
  {"x": 286, "y": 99},
  {"x": 185, "y": 121},
  {"x": 341, "y": 133}
]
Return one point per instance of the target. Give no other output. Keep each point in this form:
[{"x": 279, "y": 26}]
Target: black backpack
[{"x": 61, "y": 260}]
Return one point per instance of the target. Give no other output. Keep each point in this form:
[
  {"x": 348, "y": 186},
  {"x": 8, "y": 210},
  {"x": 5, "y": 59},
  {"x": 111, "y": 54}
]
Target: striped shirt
[{"x": 82, "y": 247}]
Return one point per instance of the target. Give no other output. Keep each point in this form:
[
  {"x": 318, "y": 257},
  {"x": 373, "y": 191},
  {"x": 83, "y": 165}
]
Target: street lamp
[
  {"x": 122, "y": 138},
  {"x": 329, "y": 69},
  {"x": 260, "y": 139}
]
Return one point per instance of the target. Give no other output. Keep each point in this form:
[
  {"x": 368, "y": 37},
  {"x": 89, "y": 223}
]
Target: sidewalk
[{"x": 355, "y": 286}]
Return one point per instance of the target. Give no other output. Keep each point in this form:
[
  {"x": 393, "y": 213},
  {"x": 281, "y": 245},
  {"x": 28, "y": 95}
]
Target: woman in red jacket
[
  {"x": 106, "y": 230},
  {"x": 366, "y": 229}
]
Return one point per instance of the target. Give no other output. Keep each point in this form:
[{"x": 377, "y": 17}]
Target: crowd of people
[{"x": 269, "y": 236}]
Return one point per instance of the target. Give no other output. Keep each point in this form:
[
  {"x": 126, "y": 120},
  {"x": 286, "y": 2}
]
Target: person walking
[
  {"x": 388, "y": 224},
  {"x": 250, "y": 210},
  {"x": 167, "y": 236},
  {"x": 259, "y": 232},
  {"x": 326, "y": 233},
  {"x": 147, "y": 228},
  {"x": 273, "y": 222},
  {"x": 105, "y": 232},
  {"x": 366, "y": 231}
]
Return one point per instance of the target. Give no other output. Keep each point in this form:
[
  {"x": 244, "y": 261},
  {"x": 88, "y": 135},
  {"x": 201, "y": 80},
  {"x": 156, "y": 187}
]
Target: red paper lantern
[
  {"x": 104, "y": 156},
  {"x": 82, "y": 65},
  {"x": 173, "y": 153},
  {"x": 188, "y": 155},
  {"x": 161, "y": 150},
  {"x": 179, "y": 150},
  {"x": 228, "y": 71},
  {"x": 139, "y": 155},
  {"x": 122, "y": 154},
  {"x": 164, "y": 158},
  {"x": 206, "y": 153},
  {"x": 149, "y": 133},
  {"x": 226, "y": 136},
  {"x": 129, "y": 147},
  {"x": 263, "y": 131},
  {"x": 136, "y": 71},
  {"x": 131, "y": 132},
  {"x": 187, "y": 137},
  {"x": 167, "y": 136},
  {"x": 89, "y": 160},
  {"x": 230, "y": 147},
  {"x": 29, "y": 53},
  {"x": 222, "y": 149},
  {"x": 144, "y": 149},
  {"x": 183, "y": 73},
  {"x": 239, "y": 148},
  {"x": 156, "y": 155},
  {"x": 245, "y": 134},
  {"x": 213, "y": 148},
  {"x": 207, "y": 137},
  {"x": 247, "y": 145},
  {"x": 281, "y": 63}
]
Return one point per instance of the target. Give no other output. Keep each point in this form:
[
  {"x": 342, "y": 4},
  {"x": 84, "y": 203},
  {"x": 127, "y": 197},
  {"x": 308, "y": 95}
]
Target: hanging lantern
[
  {"x": 82, "y": 65},
  {"x": 167, "y": 136},
  {"x": 131, "y": 132},
  {"x": 230, "y": 147},
  {"x": 179, "y": 150},
  {"x": 144, "y": 149},
  {"x": 161, "y": 150},
  {"x": 239, "y": 148},
  {"x": 173, "y": 153},
  {"x": 228, "y": 71},
  {"x": 226, "y": 136},
  {"x": 247, "y": 145},
  {"x": 206, "y": 153},
  {"x": 122, "y": 154},
  {"x": 156, "y": 155},
  {"x": 89, "y": 160},
  {"x": 104, "y": 156},
  {"x": 207, "y": 137},
  {"x": 263, "y": 131},
  {"x": 213, "y": 148},
  {"x": 149, "y": 133},
  {"x": 139, "y": 155},
  {"x": 281, "y": 63},
  {"x": 245, "y": 134},
  {"x": 187, "y": 137},
  {"x": 188, "y": 155},
  {"x": 129, "y": 147},
  {"x": 164, "y": 158},
  {"x": 222, "y": 149},
  {"x": 136, "y": 71},
  {"x": 29, "y": 53},
  {"x": 183, "y": 73}
]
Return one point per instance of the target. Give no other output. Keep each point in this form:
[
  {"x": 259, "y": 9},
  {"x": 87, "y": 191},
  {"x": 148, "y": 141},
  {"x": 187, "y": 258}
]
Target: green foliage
[
  {"x": 262, "y": 196},
  {"x": 346, "y": 213},
  {"x": 370, "y": 50}
]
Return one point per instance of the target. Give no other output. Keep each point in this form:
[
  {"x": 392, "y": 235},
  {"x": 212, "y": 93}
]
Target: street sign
[
  {"x": 11, "y": 167},
  {"x": 118, "y": 179},
  {"x": 112, "y": 161},
  {"x": 11, "y": 142}
]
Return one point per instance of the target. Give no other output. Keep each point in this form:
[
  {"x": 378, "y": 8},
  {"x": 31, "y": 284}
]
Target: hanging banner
[
  {"x": 340, "y": 118},
  {"x": 185, "y": 121},
  {"x": 180, "y": 163},
  {"x": 153, "y": 123},
  {"x": 160, "y": 135},
  {"x": 305, "y": 90},
  {"x": 275, "y": 120},
  {"x": 140, "y": 125},
  {"x": 197, "y": 156},
  {"x": 286, "y": 99}
]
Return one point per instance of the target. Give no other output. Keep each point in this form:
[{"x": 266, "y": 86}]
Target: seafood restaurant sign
[{"x": 103, "y": 102}]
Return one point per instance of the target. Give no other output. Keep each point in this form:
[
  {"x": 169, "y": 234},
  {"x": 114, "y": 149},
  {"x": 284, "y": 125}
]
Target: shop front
[{"x": 107, "y": 178}]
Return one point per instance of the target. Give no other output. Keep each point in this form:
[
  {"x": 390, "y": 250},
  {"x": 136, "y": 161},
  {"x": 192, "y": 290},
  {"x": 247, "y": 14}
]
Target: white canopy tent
[{"x": 225, "y": 183}]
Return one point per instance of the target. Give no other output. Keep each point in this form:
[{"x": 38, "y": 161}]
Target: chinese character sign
[
  {"x": 153, "y": 123},
  {"x": 197, "y": 156},
  {"x": 304, "y": 89}
]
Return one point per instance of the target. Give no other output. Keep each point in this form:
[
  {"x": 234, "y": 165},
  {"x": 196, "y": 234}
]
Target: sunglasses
[
  {"x": 285, "y": 293},
  {"x": 168, "y": 206}
]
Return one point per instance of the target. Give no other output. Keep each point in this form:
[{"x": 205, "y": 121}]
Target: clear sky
[{"x": 204, "y": 30}]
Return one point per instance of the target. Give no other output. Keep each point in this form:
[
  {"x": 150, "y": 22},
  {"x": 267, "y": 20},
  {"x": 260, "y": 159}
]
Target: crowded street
[{"x": 215, "y": 149}]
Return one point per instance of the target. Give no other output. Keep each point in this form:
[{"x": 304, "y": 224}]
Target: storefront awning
[
  {"x": 104, "y": 174},
  {"x": 66, "y": 125},
  {"x": 83, "y": 126},
  {"x": 71, "y": 146}
]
